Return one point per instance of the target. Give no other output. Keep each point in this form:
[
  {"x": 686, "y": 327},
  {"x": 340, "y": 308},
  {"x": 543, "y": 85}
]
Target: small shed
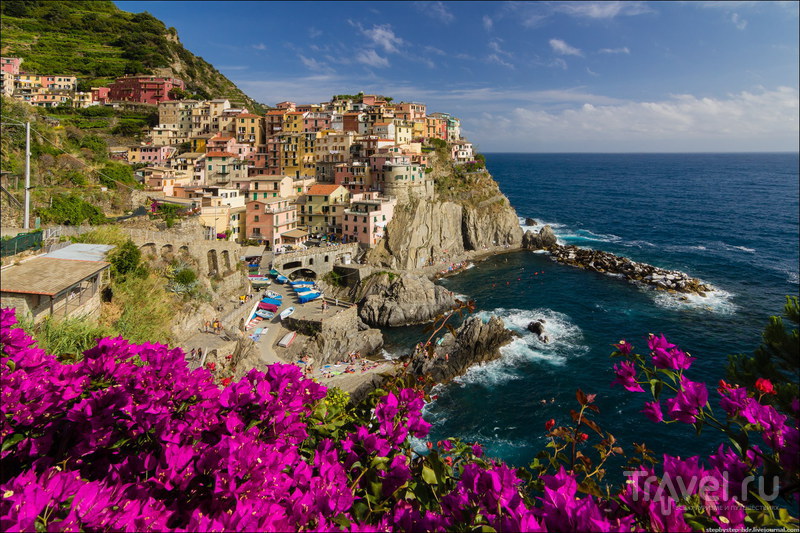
[{"x": 52, "y": 286}]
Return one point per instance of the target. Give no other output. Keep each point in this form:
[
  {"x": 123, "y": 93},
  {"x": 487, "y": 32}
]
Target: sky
[{"x": 525, "y": 76}]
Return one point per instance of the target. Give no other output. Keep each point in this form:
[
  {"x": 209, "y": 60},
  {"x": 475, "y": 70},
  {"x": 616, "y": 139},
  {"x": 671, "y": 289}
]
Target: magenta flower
[
  {"x": 626, "y": 376},
  {"x": 652, "y": 410},
  {"x": 624, "y": 347},
  {"x": 690, "y": 399}
]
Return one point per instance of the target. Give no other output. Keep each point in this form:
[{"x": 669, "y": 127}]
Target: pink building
[
  {"x": 100, "y": 95},
  {"x": 143, "y": 89},
  {"x": 10, "y": 64},
  {"x": 366, "y": 218},
  {"x": 268, "y": 219},
  {"x": 354, "y": 176}
]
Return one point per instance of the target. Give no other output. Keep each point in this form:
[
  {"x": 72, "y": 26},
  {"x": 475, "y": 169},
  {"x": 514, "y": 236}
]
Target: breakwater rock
[
  {"x": 608, "y": 263},
  {"x": 400, "y": 300},
  {"x": 475, "y": 342},
  {"x": 544, "y": 240}
]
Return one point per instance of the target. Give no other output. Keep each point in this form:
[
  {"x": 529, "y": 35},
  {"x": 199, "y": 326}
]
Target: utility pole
[{"x": 27, "y": 222}]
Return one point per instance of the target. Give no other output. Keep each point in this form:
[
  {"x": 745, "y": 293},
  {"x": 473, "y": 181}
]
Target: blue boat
[
  {"x": 263, "y": 313},
  {"x": 303, "y": 290},
  {"x": 281, "y": 279},
  {"x": 272, "y": 301},
  {"x": 301, "y": 283},
  {"x": 309, "y": 296}
]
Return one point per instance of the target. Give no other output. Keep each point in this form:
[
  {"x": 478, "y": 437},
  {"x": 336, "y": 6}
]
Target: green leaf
[
  {"x": 12, "y": 441},
  {"x": 12, "y": 365},
  {"x": 428, "y": 475}
]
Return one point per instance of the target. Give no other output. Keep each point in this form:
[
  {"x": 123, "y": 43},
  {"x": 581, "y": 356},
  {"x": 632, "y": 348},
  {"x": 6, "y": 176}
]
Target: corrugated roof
[
  {"x": 48, "y": 275},
  {"x": 82, "y": 252}
]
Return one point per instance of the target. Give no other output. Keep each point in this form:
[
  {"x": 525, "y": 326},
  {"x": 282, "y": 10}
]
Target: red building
[{"x": 144, "y": 89}]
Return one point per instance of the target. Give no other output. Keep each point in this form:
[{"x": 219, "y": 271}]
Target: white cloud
[
  {"x": 313, "y": 32},
  {"x": 439, "y": 11},
  {"x": 601, "y": 10},
  {"x": 260, "y": 46},
  {"x": 384, "y": 37},
  {"x": 591, "y": 72},
  {"x": 313, "y": 64},
  {"x": 757, "y": 121},
  {"x": 561, "y": 47},
  {"x": 370, "y": 57},
  {"x": 739, "y": 22},
  {"x": 623, "y": 50},
  {"x": 488, "y": 23},
  {"x": 494, "y": 58}
]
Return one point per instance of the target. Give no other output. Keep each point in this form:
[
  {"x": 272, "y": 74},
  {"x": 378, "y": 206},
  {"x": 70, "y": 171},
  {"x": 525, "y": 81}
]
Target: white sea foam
[
  {"x": 716, "y": 301},
  {"x": 792, "y": 276},
  {"x": 565, "y": 341}
]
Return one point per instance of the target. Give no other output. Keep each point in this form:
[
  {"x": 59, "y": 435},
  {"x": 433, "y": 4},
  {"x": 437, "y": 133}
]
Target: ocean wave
[
  {"x": 565, "y": 342},
  {"x": 716, "y": 301},
  {"x": 792, "y": 276},
  {"x": 732, "y": 247},
  {"x": 565, "y": 235}
]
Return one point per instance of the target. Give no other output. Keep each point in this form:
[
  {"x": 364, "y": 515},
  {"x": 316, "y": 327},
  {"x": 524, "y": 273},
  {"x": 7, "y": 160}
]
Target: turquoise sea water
[{"x": 728, "y": 219}]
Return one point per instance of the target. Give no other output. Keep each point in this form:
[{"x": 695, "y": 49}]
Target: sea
[{"x": 729, "y": 219}]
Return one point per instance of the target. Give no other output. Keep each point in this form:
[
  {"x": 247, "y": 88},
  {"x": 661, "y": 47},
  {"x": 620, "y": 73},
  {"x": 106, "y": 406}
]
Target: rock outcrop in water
[
  {"x": 402, "y": 300},
  {"x": 544, "y": 240},
  {"x": 475, "y": 342},
  {"x": 608, "y": 263}
]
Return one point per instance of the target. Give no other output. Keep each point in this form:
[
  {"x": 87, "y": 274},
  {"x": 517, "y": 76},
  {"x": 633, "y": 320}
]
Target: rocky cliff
[
  {"x": 475, "y": 342},
  {"x": 335, "y": 337},
  {"x": 391, "y": 300},
  {"x": 467, "y": 211}
]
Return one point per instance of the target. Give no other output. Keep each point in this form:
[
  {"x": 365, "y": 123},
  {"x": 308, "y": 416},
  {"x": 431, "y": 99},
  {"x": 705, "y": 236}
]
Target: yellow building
[
  {"x": 322, "y": 209},
  {"x": 293, "y": 122},
  {"x": 250, "y": 129},
  {"x": 289, "y": 154}
]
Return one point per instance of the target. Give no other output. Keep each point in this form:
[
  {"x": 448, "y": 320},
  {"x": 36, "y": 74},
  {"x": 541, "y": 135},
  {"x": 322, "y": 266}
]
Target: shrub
[
  {"x": 71, "y": 210},
  {"x": 125, "y": 259}
]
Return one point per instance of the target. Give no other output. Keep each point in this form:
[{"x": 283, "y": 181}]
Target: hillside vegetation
[{"x": 98, "y": 42}]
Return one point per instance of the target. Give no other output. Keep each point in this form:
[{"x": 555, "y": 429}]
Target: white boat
[
  {"x": 287, "y": 339},
  {"x": 263, "y": 313},
  {"x": 286, "y": 312},
  {"x": 273, "y": 294}
]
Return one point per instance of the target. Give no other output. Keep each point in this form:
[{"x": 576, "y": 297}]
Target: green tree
[
  {"x": 126, "y": 258},
  {"x": 776, "y": 359},
  {"x": 72, "y": 210}
]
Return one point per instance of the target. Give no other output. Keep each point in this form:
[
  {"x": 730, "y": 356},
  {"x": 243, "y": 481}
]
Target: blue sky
[{"x": 525, "y": 76}]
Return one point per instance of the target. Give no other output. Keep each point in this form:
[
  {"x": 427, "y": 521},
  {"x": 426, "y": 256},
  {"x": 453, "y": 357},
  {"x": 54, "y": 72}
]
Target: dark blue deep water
[{"x": 728, "y": 219}]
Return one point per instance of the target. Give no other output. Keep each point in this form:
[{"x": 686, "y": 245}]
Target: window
[{"x": 256, "y": 219}]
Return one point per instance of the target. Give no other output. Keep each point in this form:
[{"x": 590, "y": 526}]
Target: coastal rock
[
  {"x": 530, "y": 222},
  {"x": 492, "y": 222},
  {"x": 475, "y": 342},
  {"x": 537, "y": 327},
  {"x": 418, "y": 233},
  {"x": 608, "y": 263},
  {"x": 391, "y": 300},
  {"x": 544, "y": 240},
  {"x": 335, "y": 337}
]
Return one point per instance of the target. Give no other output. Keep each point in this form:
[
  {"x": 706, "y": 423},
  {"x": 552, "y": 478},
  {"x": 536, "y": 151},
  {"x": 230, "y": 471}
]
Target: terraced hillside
[{"x": 98, "y": 42}]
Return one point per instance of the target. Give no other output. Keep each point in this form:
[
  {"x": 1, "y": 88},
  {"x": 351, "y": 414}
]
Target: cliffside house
[{"x": 57, "y": 285}]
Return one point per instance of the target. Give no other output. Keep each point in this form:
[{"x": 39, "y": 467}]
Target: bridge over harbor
[{"x": 314, "y": 261}]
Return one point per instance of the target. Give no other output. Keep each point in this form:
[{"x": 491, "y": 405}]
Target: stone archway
[
  {"x": 292, "y": 264},
  {"x": 226, "y": 262},
  {"x": 302, "y": 273},
  {"x": 213, "y": 265},
  {"x": 184, "y": 251},
  {"x": 167, "y": 253},
  {"x": 149, "y": 249}
]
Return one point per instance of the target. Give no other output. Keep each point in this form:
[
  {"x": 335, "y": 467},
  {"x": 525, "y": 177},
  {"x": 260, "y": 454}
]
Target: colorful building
[
  {"x": 365, "y": 220},
  {"x": 143, "y": 89}
]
